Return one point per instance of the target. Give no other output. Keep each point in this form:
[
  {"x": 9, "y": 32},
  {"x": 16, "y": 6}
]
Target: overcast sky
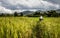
[{"x": 10, "y": 5}]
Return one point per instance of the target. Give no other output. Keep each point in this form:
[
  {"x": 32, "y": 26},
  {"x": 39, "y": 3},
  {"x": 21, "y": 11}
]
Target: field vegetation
[{"x": 29, "y": 27}]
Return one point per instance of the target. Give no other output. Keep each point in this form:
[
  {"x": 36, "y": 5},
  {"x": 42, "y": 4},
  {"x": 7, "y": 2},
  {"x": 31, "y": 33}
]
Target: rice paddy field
[{"x": 29, "y": 27}]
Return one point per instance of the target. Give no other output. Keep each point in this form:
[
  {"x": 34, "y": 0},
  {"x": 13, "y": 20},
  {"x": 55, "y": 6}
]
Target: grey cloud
[
  {"x": 9, "y": 4},
  {"x": 53, "y": 1}
]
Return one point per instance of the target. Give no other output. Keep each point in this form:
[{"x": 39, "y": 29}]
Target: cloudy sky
[{"x": 10, "y": 5}]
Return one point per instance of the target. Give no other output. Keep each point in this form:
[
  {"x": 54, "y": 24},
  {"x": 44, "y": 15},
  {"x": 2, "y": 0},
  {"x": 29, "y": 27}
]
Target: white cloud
[
  {"x": 4, "y": 10},
  {"x": 9, "y": 5}
]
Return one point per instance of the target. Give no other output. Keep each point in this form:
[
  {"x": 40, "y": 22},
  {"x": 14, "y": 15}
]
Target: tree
[
  {"x": 2, "y": 14},
  {"x": 21, "y": 14},
  {"x": 54, "y": 14},
  {"x": 51, "y": 13},
  {"x": 36, "y": 13},
  {"x": 15, "y": 14}
]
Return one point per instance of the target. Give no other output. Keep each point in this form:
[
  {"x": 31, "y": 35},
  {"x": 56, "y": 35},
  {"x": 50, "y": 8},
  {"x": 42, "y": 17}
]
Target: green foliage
[
  {"x": 21, "y": 14},
  {"x": 15, "y": 14},
  {"x": 52, "y": 13}
]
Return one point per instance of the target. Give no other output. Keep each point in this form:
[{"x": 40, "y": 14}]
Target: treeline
[
  {"x": 51, "y": 13},
  {"x": 8, "y": 15}
]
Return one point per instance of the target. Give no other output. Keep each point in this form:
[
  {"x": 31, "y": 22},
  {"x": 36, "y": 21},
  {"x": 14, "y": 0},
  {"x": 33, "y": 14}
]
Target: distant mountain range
[
  {"x": 58, "y": 11},
  {"x": 27, "y": 12}
]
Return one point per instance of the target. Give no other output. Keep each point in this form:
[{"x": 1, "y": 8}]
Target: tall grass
[{"x": 29, "y": 27}]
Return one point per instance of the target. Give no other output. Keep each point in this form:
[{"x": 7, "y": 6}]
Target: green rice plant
[{"x": 29, "y": 27}]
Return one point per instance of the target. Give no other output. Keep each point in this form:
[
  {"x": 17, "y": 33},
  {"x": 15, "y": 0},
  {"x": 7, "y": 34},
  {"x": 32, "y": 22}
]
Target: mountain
[
  {"x": 27, "y": 12},
  {"x": 58, "y": 10}
]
